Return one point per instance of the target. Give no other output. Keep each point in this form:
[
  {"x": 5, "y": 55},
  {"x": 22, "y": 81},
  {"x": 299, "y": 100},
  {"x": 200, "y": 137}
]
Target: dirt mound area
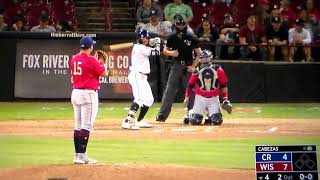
[{"x": 122, "y": 172}]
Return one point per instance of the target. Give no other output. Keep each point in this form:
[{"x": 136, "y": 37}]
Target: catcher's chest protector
[{"x": 207, "y": 78}]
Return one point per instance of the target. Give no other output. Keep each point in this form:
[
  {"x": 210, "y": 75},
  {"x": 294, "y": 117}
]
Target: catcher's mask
[{"x": 205, "y": 57}]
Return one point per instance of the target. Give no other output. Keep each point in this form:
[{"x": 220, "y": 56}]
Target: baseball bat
[{"x": 114, "y": 47}]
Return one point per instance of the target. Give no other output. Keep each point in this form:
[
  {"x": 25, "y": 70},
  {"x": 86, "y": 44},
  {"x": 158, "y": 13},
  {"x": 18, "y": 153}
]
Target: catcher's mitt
[
  {"x": 102, "y": 56},
  {"x": 226, "y": 105}
]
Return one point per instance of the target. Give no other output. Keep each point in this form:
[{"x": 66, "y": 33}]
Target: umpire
[{"x": 180, "y": 45}]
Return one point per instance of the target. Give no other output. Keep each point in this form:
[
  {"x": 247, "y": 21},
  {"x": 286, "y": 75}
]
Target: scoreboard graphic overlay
[{"x": 294, "y": 162}]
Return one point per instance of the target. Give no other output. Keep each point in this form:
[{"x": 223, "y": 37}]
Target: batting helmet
[{"x": 143, "y": 34}]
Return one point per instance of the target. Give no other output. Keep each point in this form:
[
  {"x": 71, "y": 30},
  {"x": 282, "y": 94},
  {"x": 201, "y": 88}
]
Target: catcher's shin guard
[
  {"x": 196, "y": 119},
  {"x": 216, "y": 119}
]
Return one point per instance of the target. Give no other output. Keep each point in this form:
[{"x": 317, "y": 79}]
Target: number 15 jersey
[{"x": 85, "y": 72}]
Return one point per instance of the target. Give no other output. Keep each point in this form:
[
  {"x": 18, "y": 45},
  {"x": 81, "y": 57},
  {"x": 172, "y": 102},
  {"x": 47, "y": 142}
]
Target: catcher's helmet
[
  {"x": 143, "y": 34},
  {"x": 206, "y": 54}
]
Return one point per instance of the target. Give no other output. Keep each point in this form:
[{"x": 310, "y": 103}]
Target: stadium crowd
[
  {"x": 263, "y": 30},
  {"x": 232, "y": 29}
]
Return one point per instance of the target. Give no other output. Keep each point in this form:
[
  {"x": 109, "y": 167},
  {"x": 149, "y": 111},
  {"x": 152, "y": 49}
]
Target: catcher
[{"x": 207, "y": 81}]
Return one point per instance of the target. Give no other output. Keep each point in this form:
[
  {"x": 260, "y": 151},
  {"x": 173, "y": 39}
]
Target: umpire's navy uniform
[{"x": 185, "y": 43}]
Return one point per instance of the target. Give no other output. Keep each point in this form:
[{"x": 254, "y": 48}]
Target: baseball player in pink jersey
[
  {"x": 138, "y": 80},
  {"x": 85, "y": 73},
  {"x": 208, "y": 82}
]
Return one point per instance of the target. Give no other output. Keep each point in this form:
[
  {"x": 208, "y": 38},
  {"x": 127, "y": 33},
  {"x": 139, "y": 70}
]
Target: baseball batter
[
  {"x": 208, "y": 81},
  {"x": 138, "y": 80},
  {"x": 85, "y": 73}
]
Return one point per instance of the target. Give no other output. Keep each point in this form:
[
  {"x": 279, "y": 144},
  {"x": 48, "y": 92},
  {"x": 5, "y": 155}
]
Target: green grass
[
  {"x": 63, "y": 110},
  {"x": 222, "y": 153}
]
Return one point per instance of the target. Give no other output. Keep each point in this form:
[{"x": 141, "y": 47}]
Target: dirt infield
[{"x": 172, "y": 129}]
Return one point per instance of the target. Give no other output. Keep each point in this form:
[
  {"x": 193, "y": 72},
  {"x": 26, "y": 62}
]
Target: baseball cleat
[
  {"x": 89, "y": 160},
  {"x": 126, "y": 124},
  {"x": 82, "y": 158},
  {"x": 78, "y": 160},
  {"x": 143, "y": 124},
  {"x": 186, "y": 119},
  {"x": 160, "y": 117}
]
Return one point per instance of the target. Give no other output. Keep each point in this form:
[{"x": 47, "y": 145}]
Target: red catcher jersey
[
  {"x": 85, "y": 71},
  {"x": 207, "y": 81}
]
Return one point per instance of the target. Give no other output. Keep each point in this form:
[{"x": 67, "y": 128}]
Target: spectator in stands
[
  {"x": 143, "y": 11},
  {"x": 229, "y": 34},
  {"x": 177, "y": 7},
  {"x": 315, "y": 26},
  {"x": 3, "y": 25},
  {"x": 302, "y": 14},
  {"x": 227, "y": 2},
  {"x": 64, "y": 26},
  {"x": 44, "y": 25},
  {"x": 277, "y": 37},
  {"x": 299, "y": 36},
  {"x": 251, "y": 36},
  {"x": 311, "y": 10},
  {"x": 262, "y": 12},
  {"x": 18, "y": 25},
  {"x": 275, "y": 12},
  {"x": 288, "y": 16},
  {"x": 156, "y": 26},
  {"x": 207, "y": 32}
]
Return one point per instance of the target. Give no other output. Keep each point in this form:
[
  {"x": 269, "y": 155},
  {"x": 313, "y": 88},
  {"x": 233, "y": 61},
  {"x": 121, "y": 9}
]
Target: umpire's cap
[
  {"x": 86, "y": 42},
  {"x": 143, "y": 34}
]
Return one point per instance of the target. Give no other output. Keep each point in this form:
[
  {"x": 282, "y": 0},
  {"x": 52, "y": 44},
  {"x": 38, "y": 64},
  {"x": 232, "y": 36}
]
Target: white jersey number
[{"x": 77, "y": 70}]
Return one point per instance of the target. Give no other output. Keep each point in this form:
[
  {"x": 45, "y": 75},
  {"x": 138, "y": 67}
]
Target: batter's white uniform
[{"x": 140, "y": 67}]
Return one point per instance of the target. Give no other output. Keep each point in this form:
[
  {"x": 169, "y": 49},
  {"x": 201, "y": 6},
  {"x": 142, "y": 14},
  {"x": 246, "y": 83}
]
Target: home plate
[
  {"x": 271, "y": 130},
  {"x": 184, "y": 129}
]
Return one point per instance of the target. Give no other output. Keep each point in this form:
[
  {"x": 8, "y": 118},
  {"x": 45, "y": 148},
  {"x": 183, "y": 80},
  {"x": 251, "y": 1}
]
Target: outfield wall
[{"x": 35, "y": 65}]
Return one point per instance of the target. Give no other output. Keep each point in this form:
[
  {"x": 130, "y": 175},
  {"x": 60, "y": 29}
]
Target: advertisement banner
[{"x": 42, "y": 70}]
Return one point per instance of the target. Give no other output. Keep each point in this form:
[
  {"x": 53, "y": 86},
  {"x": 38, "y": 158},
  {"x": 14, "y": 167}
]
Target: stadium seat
[{"x": 219, "y": 10}]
